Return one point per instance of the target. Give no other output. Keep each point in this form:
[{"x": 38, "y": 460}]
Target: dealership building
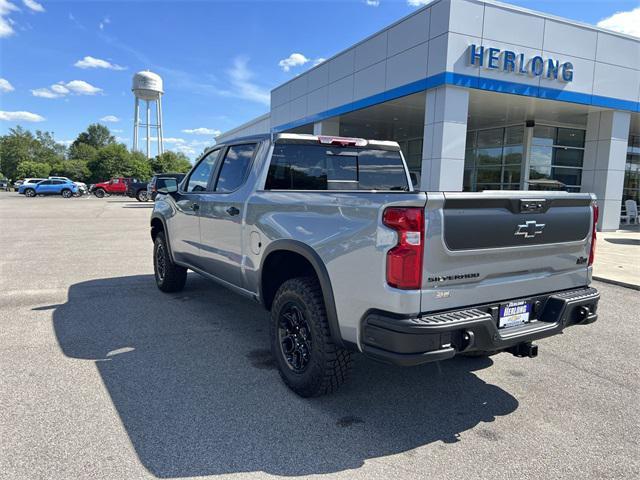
[{"x": 482, "y": 95}]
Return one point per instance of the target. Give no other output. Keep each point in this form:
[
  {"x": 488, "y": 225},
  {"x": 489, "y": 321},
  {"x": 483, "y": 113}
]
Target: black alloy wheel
[{"x": 294, "y": 336}]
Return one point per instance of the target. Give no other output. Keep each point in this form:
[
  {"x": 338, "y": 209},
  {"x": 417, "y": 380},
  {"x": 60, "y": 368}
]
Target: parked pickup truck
[
  {"x": 138, "y": 190},
  {"x": 115, "y": 186},
  {"x": 330, "y": 236}
]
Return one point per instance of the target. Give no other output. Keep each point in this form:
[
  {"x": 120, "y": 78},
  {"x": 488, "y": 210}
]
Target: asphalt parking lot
[{"x": 103, "y": 376}]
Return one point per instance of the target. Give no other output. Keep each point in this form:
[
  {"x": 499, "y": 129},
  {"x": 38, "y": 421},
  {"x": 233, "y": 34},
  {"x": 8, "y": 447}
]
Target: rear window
[{"x": 319, "y": 167}]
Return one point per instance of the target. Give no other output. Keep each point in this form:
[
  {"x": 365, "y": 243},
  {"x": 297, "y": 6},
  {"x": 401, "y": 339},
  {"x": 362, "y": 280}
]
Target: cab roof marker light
[{"x": 342, "y": 141}]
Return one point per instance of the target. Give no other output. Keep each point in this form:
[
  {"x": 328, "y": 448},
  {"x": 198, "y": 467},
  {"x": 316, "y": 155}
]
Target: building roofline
[
  {"x": 262, "y": 117},
  {"x": 505, "y": 6}
]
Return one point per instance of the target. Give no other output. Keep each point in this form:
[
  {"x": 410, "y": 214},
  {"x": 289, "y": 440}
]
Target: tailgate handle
[{"x": 532, "y": 205}]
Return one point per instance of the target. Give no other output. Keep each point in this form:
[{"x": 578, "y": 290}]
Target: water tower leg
[
  {"x": 159, "y": 121},
  {"x": 136, "y": 123},
  {"x": 148, "y": 130}
]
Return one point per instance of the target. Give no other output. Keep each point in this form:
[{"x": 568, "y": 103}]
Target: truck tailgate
[{"x": 494, "y": 246}]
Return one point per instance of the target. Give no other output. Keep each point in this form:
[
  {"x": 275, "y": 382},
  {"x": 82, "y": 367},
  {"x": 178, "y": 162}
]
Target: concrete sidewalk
[{"x": 618, "y": 257}]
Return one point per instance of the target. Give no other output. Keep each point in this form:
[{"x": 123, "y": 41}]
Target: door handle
[
  {"x": 233, "y": 211},
  {"x": 195, "y": 207}
]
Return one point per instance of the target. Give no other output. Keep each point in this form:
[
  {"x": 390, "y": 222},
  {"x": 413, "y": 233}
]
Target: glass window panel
[
  {"x": 512, "y": 155},
  {"x": 570, "y": 137},
  {"x": 488, "y": 186},
  {"x": 568, "y": 157},
  {"x": 568, "y": 176},
  {"x": 541, "y": 156},
  {"x": 490, "y": 138},
  {"x": 380, "y": 170},
  {"x": 514, "y": 135},
  {"x": 539, "y": 172},
  {"x": 511, "y": 174},
  {"x": 234, "y": 167},
  {"x": 467, "y": 179},
  {"x": 543, "y": 135},
  {"x": 469, "y": 158},
  {"x": 489, "y": 174},
  {"x": 415, "y": 147},
  {"x": 489, "y": 156},
  {"x": 471, "y": 139}
]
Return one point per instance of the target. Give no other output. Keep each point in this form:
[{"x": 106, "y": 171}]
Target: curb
[{"x": 617, "y": 282}]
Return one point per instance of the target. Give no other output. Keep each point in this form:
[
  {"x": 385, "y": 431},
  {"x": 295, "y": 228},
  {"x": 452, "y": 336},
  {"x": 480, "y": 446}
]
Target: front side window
[
  {"x": 317, "y": 167},
  {"x": 199, "y": 177},
  {"x": 234, "y": 168}
]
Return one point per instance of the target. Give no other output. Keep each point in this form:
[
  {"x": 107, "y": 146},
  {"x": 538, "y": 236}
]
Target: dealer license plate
[{"x": 514, "y": 314}]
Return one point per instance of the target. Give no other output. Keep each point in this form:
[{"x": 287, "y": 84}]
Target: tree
[
  {"x": 115, "y": 160},
  {"x": 109, "y": 162},
  {"x": 138, "y": 166},
  {"x": 17, "y": 146},
  {"x": 171, "y": 162},
  {"x": 82, "y": 151},
  {"x": 75, "y": 169},
  {"x": 96, "y": 135},
  {"x": 29, "y": 168}
]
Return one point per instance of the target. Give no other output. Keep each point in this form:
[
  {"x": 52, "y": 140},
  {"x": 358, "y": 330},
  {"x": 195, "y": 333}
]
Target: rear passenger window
[
  {"x": 200, "y": 175},
  {"x": 317, "y": 167},
  {"x": 234, "y": 168}
]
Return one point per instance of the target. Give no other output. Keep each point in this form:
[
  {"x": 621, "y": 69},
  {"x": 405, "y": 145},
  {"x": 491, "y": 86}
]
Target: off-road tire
[
  {"x": 29, "y": 192},
  {"x": 142, "y": 196},
  {"x": 99, "y": 193},
  {"x": 329, "y": 365},
  {"x": 169, "y": 276}
]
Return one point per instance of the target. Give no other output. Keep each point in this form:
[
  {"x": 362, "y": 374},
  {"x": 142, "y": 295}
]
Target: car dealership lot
[{"x": 102, "y": 376}]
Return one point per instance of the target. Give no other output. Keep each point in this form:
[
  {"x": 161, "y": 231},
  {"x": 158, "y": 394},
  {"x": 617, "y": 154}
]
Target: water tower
[{"x": 147, "y": 86}]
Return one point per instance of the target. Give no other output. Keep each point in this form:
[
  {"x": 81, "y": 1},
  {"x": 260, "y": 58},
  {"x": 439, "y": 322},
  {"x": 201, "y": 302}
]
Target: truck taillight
[
  {"x": 592, "y": 252},
  {"x": 404, "y": 261}
]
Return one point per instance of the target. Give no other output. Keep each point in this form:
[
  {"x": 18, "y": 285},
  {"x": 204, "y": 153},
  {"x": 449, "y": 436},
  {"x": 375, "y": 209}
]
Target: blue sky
[{"x": 68, "y": 64}]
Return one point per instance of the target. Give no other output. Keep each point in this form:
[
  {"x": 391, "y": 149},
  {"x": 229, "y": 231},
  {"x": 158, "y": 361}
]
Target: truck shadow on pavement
[{"x": 192, "y": 380}]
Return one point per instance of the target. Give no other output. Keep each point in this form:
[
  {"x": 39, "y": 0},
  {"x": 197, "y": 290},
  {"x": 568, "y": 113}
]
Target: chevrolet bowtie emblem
[{"x": 530, "y": 229}]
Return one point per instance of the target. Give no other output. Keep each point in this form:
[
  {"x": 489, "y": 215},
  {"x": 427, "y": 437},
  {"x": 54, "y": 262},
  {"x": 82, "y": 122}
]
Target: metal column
[
  {"x": 159, "y": 125},
  {"x": 148, "y": 129},
  {"x": 136, "y": 124}
]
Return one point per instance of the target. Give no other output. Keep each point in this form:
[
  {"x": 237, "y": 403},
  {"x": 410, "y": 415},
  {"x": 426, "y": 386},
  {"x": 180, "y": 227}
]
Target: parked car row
[{"x": 133, "y": 187}]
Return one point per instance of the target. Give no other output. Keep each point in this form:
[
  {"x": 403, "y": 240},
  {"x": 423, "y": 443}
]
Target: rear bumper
[{"x": 439, "y": 336}]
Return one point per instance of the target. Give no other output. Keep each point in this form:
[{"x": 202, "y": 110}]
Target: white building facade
[{"x": 483, "y": 95}]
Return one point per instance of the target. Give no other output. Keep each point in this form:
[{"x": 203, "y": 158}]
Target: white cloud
[
  {"x": 293, "y": 60},
  {"x": 318, "y": 61},
  {"x": 110, "y": 118},
  {"x": 117, "y": 130},
  {"x": 240, "y": 77},
  {"x": 105, "y": 21},
  {"x": 33, "y": 5},
  {"x": 66, "y": 143},
  {"x": 5, "y": 86},
  {"x": 92, "y": 62},
  {"x": 372, "y": 3},
  {"x": 61, "y": 89},
  {"x": 174, "y": 140},
  {"x": 623, "y": 22},
  {"x": 418, "y": 3},
  {"x": 202, "y": 131},
  {"x": 20, "y": 117},
  {"x": 6, "y": 24}
]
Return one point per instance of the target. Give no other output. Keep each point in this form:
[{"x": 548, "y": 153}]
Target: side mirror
[{"x": 169, "y": 185}]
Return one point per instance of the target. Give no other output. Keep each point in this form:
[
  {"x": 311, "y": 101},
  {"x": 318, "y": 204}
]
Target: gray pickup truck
[{"x": 330, "y": 236}]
